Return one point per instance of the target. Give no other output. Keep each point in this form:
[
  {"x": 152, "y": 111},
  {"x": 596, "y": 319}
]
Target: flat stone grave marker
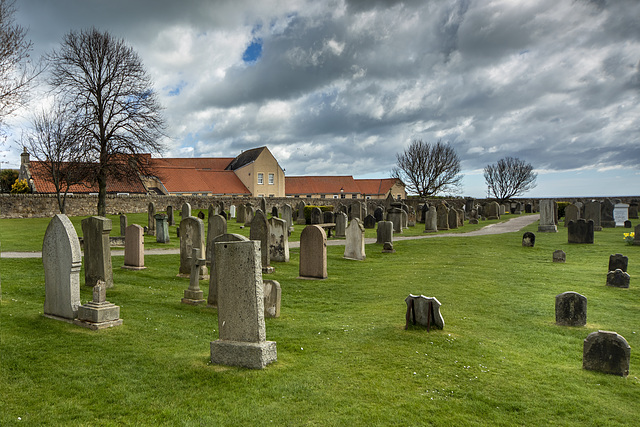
[
  {"x": 607, "y": 352},
  {"x": 423, "y": 311},
  {"x": 571, "y": 309}
]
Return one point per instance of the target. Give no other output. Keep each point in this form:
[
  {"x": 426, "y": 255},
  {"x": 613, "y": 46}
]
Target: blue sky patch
[{"x": 253, "y": 52}]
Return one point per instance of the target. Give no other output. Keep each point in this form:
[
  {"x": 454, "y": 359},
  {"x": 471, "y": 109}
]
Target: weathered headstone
[
  {"x": 162, "y": 228},
  {"x": 287, "y": 215},
  {"x": 528, "y": 208},
  {"x": 423, "y": 311},
  {"x": 313, "y": 253},
  {"x": 123, "y": 224},
  {"x": 607, "y": 352},
  {"x": 300, "y": 218},
  {"x": 191, "y": 236},
  {"x": 263, "y": 206},
  {"x": 272, "y": 298},
  {"x": 274, "y": 212},
  {"x": 395, "y": 216},
  {"x": 443, "y": 217},
  {"x": 260, "y": 232},
  {"x": 453, "y": 219},
  {"x": 618, "y": 261},
  {"x": 387, "y": 248},
  {"x": 341, "y": 224},
  {"x": 355, "y": 211},
  {"x": 571, "y": 309},
  {"x": 473, "y": 216},
  {"x": 249, "y": 213},
  {"x": 618, "y": 279},
  {"x": 369, "y": 221},
  {"x": 186, "y": 210},
  {"x": 633, "y": 209},
  {"x": 327, "y": 217},
  {"x": 316, "y": 216},
  {"x": 627, "y": 224},
  {"x": 134, "y": 248},
  {"x": 193, "y": 295},
  {"x": 354, "y": 245},
  {"x": 580, "y": 231},
  {"x": 378, "y": 214},
  {"x": 528, "y": 239},
  {"x": 592, "y": 211},
  {"x": 98, "y": 313},
  {"x": 278, "y": 240},
  {"x": 216, "y": 225},
  {"x": 547, "y": 217},
  {"x": 97, "y": 251},
  {"x": 571, "y": 213},
  {"x": 460, "y": 217},
  {"x": 606, "y": 214},
  {"x": 170, "y": 218},
  {"x": 242, "y": 335},
  {"x": 559, "y": 256},
  {"x": 212, "y": 297},
  {"x": 492, "y": 210},
  {"x": 240, "y": 214},
  {"x": 620, "y": 213},
  {"x": 62, "y": 259},
  {"x": 431, "y": 220},
  {"x": 384, "y": 232},
  {"x": 151, "y": 221}
]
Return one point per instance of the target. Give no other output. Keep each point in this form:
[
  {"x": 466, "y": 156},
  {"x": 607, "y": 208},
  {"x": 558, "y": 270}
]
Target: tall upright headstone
[
  {"x": 431, "y": 220},
  {"x": 394, "y": 215},
  {"x": 300, "y": 218},
  {"x": 592, "y": 211},
  {"x": 341, "y": 224},
  {"x": 240, "y": 214},
  {"x": 618, "y": 261},
  {"x": 571, "y": 213},
  {"x": 162, "y": 228},
  {"x": 249, "y": 213},
  {"x": 354, "y": 245},
  {"x": 492, "y": 210},
  {"x": 287, "y": 215},
  {"x": 580, "y": 231},
  {"x": 547, "y": 217},
  {"x": 443, "y": 217},
  {"x": 278, "y": 239},
  {"x": 151, "y": 221},
  {"x": 453, "y": 219},
  {"x": 384, "y": 233},
  {"x": 316, "y": 216},
  {"x": 260, "y": 232},
  {"x": 97, "y": 251},
  {"x": 123, "y": 224},
  {"x": 606, "y": 214},
  {"x": 134, "y": 248},
  {"x": 313, "y": 253},
  {"x": 186, "y": 210},
  {"x": 170, "y": 218},
  {"x": 620, "y": 213},
  {"x": 212, "y": 297},
  {"x": 217, "y": 225},
  {"x": 191, "y": 236},
  {"x": 242, "y": 334},
  {"x": 62, "y": 259}
]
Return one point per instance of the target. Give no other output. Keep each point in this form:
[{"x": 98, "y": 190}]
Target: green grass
[{"x": 344, "y": 357}]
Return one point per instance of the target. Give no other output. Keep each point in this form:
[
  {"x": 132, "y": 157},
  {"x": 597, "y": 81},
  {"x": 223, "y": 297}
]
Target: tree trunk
[{"x": 102, "y": 193}]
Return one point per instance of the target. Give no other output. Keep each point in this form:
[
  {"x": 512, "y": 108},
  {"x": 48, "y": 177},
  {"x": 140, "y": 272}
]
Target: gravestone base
[
  {"x": 97, "y": 326},
  {"x": 387, "y": 248},
  {"x": 131, "y": 267},
  {"x": 54, "y": 317},
  {"x": 245, "y": 354},
  {"x": 193, "y": 297},
  {"x": 310, "y": 278},
  {"x": 188, "y": 276},
  {"x": 473, "y": 221},
  {"x": 548, "y": 228},
  {"x": 98, "y": 315},
  {"x": 268, "y": 270}
]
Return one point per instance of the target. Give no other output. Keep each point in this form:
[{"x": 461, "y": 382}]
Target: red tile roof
[
  {"x": 209, "y": 163},
  {"x": 193, "y": 180},
  {"x": 320, "y": 185},
  {"x": 43, "y": 183},
  {"x": 372, "y": 187}
]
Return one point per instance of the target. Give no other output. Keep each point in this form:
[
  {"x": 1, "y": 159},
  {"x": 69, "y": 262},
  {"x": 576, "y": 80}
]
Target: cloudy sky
[{"x": 338, "y": 87}]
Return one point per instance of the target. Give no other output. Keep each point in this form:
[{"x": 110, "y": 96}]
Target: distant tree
[
  {"x": 55, "y": 139},
  {"x": 16, "y": 75},
  {"x": 7, "y": 178},
  {"x": 106, "y": 87},
  {"x": 509, "y": 177},
  {"x": 428, "y": 169}
]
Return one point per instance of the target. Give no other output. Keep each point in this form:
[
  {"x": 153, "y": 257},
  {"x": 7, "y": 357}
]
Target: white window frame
[
  {"x": 260, "y": 178},
  {"x": 271, "y": 179}
]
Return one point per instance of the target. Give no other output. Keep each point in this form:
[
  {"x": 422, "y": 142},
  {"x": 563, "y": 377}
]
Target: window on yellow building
[
  {"x": 260, "y": 178},
  {"x": 271, "y": 179}
]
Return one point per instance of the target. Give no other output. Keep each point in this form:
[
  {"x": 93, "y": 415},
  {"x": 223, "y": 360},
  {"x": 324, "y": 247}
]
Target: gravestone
[
  {"x": 443, "y": 217},
  {"x": 606, "y": 214},
  {"x": 571, "y": 213},
  {"x": 492, "y": 210},
  {"x": 518, "y": 208},
  {"x": 242, "y": 335},
  {"x": 97, "y": 251},
  {"x": 170, "y": 218},
  {"x": 580, "y": 231},
  {"x": 232, "y": 211},
  {"x": 473, "y": 216},
  {"x": 559, "y": 256},
  {"x": 249, "y": 213},
  {"x": 378, "y": 214},
  {"x": 341, "y": 224},
  {"x": 431, "y": 220},
  {"x": 453, "y": 219},
  {"x": 272, "y": 298},
  {"x": 263, "y": 206},
  {"x": 369, "y": 221},
  {"x": 384, "y": 232},
  {"x": 61, "y": 259},
  {"x": 355, "y": 211},
  {"x": 287, "y": 215},
  {"x": 151, "y": 221},
  {"x": 528, "y": 208},
  {"x": 387, "y": 248},
  {"x": 528, "y": 239},
  {"x": 191, "y": 236},
  {"x": 240, "y": 214},
  {"x": 260, "y": 232},
  {"x": 571, "y": 309},
  {"x": 134, "y": 248},
  {"x": 503, "y": 209},
  {"x": 213, "y": 210},
  {"x": 274, "y": 212},
  {"x": 547, "y": 217},
  {"x": 354, "y": 245},
  {"x": 216, "y": 225},
  {"x": 201, "y": 215},
  {"x": 278, "y": 240},
  {"x": 618, "y": 261},
  {"x": 636, "y": 234},
  {"x": 395, "y": 216},
  {"x": 313, "y": 253},
  {"x": 423, "y": 311},
  {"x": 592, "y": 211},
  {"x": 627, "y": 224},
  {"x": 162, "y": 228},
  {"x": 620, "y": 214},
  {"x": 212, "y": 297},
  {"x": 194, "y": 295},
  {"x": 633, "y": 209},
  {"x": 123, "y": 224},
  {"x": 316, "y": 216},
  {"x": 99, "y": 313},
  {"x": 460, "y": 217},
  {"x": 300, "y": 218},
  {"x": 469, "y": 204},
  {"x": 607, "y": 352},
  {"x": 405, "y": 219},
  {"x": 327, "y": 217},
  {"x": 186, "y": 211},
  {"x": 618, "y": 279}
]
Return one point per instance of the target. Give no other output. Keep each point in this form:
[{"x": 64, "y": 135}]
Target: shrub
[
  {"x": 20, "y": 187},
  {"x": 309, "y": 208}
]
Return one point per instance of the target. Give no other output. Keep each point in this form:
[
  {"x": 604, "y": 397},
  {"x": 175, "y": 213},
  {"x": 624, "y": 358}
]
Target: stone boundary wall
[{"x": 46, "y": 205}]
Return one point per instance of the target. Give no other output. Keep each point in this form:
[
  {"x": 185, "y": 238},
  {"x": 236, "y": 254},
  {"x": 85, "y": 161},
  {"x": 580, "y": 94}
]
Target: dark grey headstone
[
  {"x": 606, "y": 352},
  {"x": 618, "y": 261},
  {"x": 328, "y": 217},
  {"x": 627, "y": 224},
  {"x": 571, "y": 309},
  {"x": 559, "y": 256},
  {"x": 580, "y": 231},
  {"x": 378, "y": 214},
  {"x": 423, "y": 311},
  {"x": 528, "y": 239},
  {"x": 618, "y": 279},
  {"x": 316, "y": 216},
  {"x": 201, "y": 215},
  {"x": 369, "y": 221},
  {"x": 606, "y": 214}
]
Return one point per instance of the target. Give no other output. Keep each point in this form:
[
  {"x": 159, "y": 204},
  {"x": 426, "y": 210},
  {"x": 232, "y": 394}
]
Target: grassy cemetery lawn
[{"x": 344, "y": 357}]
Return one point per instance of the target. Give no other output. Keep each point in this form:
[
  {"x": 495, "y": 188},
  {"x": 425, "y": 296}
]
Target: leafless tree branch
[{"x": 509, "y": 177}]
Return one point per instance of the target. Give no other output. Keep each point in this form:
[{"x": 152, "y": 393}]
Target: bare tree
[
  {"x": 16, "y": 74},
  {"x": 509, "y": 177},
  {"x": 428, "y": 169},
  {"x": 55, "y": 139},
  {"x": 105, "y": 83}
]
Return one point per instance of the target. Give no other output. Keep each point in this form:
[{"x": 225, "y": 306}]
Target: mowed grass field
[{"x": 344, "y": 357}]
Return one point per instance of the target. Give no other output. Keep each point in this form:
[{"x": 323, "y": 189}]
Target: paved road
[{"x": 514, "y": 224}]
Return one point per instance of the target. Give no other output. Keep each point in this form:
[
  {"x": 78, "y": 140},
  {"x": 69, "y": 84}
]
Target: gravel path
[{"x": 514, "y": 224}]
